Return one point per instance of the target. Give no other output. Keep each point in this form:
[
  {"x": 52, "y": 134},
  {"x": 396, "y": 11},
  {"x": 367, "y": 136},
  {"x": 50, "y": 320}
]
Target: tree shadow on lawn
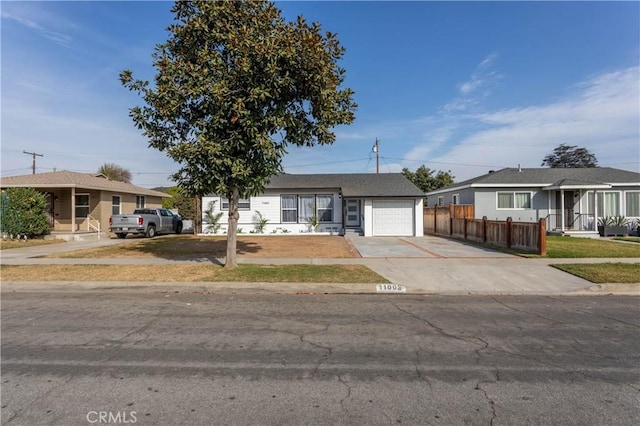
[{"x": 206, "y": 249}]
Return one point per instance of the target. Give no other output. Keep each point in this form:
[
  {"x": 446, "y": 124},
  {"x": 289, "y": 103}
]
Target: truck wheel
[
  {"x": 179, "y": 228},
  {"x": 151, "y": 231},
  {"x": 121, "y": 235}
]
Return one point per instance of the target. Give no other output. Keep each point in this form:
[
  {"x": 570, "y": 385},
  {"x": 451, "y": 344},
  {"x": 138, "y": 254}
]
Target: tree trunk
[{"x": 232, "y": 236}]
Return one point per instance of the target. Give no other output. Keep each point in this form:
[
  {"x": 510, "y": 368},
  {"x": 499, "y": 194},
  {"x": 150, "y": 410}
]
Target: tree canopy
[
  {"x": 424, "y": 178},
  {"x": 115, "y": 172},
  {"x": 565, "y": 156},
  {"x": 235, "y": 84},
  {"x": 23, "y": 211}
]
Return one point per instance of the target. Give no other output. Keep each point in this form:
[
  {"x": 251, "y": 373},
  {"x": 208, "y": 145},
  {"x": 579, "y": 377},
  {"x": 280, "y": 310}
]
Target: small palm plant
[
  {"x": 260, "y": 222},
  {"x": 211, "y": 219}
]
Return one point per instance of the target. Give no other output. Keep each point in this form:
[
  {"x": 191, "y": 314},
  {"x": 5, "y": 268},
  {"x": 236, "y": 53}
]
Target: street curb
[{"x": 289, "y": 288}]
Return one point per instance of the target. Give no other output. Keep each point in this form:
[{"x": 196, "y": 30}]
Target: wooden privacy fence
[{"x": 457, "y": 221}]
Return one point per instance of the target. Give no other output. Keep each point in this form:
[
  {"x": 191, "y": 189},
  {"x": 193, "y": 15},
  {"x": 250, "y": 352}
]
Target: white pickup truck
[{"x": 149, "y": 222}]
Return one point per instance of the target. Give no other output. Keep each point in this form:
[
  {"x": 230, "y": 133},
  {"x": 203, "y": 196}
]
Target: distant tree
[
  {"x": 565, "y": 156},
  {"x": 181, "y": 202},
  {"x": 23, "y": 211},
  {"x": 115, "y": 172},
  {"x": 424, "y": 178},
  {"x": 235, "y": 85}
]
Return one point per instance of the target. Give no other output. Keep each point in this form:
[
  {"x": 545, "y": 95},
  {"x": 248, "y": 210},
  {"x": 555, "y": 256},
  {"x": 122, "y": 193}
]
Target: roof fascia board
[{"x": 558, "y": 187}]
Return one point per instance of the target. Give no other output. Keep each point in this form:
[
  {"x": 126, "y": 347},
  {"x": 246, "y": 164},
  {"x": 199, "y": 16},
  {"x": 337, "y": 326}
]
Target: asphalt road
[{"x": 145, "y": 357}]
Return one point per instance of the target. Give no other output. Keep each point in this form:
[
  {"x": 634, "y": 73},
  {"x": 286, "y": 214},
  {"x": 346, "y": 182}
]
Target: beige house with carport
[{"x": 83, "y": 202}]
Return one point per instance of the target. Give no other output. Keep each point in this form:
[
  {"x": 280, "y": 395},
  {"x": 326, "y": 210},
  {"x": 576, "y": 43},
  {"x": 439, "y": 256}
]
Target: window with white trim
[
  {"x": 456, "y": 198},
  {"x": 115, "y": 204},
  {"x": 440, "y": 200},
  {"x": 324, "y": 205},
  {"x": 243, "y": 204},
  {"x": 513, "y": 200},
  {"x": 632, "y": 199},
  {"x": 82, "y": 205},
  {"x": 140, "y": 202},
  {"x": 289, "y": 207},
  {"x": 306, "y": 207},
  {"x": 608, "y": 204},
  {"x": 301, "y": 208}
]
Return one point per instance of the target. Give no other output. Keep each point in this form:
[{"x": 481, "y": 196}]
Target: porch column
[
  {"x": 595, "y": 210},
  {"x": 562, "y": 210},
  {"x": 73, "y": 209}
]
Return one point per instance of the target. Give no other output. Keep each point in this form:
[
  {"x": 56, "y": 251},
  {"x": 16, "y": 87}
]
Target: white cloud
[
  {"x": 55, "y": 36},
  {"x": 603, "y": 115},
  {"x": 476, "y": 88}
]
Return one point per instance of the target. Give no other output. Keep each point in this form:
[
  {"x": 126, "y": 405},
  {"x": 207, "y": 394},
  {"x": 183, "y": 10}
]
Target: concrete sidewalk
[{"x": 426, "y": 275}]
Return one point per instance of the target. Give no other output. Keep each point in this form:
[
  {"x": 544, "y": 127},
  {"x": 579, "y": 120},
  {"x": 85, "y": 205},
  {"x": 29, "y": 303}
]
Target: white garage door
[{"x": 391, "y": 217}]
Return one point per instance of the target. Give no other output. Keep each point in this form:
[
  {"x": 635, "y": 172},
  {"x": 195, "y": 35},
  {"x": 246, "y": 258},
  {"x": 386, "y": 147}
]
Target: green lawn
[
  {"x": 573, "y": 247},
  {"x": 604, "y": 272}
]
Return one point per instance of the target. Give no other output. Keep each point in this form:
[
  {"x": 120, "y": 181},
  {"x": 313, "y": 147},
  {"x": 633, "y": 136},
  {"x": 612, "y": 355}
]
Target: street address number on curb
[{"x": 390, "y": 288}]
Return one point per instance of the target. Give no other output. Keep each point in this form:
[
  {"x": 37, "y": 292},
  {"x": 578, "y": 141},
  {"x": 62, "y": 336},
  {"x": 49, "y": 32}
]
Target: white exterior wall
[
  {"x": 269, "y": 206},
  {"x": 418, "y": 216},
  {"x": 367, "y": 214}
]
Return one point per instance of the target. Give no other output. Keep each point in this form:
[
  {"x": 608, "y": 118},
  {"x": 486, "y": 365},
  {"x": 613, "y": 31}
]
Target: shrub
[{"x": 23, "y": 211}]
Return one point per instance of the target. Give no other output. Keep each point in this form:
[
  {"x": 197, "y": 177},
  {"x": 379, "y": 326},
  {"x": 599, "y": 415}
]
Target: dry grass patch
[
  {"x": 186, "y": 247},
  {"x": 11, "y": 244},
  {"x": 193, "y": 273}
]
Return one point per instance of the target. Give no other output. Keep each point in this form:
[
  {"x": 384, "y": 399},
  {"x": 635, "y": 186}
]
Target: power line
[{"x": 442, "y": 162}]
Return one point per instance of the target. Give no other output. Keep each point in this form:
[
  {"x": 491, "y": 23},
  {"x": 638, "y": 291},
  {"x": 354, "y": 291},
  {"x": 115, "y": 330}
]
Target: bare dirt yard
[{"x": 184, "y": 247}]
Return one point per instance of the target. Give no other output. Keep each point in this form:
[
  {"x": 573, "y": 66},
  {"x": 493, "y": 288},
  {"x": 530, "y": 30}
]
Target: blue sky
[{"x": 461, "y": 86}]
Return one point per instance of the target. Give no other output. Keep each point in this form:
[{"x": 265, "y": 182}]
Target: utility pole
[
  {"x": 33, "y": 154},
  {"x": 376, "y": 150}
]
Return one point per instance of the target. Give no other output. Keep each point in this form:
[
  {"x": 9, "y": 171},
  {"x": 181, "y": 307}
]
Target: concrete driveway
[{"x": 421, "y": 247}]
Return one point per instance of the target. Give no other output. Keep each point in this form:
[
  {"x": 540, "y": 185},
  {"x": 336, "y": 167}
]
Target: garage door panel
[{"x": 393, "y": 217}]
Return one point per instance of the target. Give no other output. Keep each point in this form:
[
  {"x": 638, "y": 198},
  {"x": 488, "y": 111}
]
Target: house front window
[
  {"x": 301, "y": 208},
  {"x": 243, "y": 204},
  {"x": 440, "y": 201},
  {"x": 306, "y": 208},
  {"x": 115, "y": 205},
  {"x": 632, "y": 199},
  {"x": 514, "y": 200},
  {"x": 456, "y": 198},
  {"x": 140, "y": 202},
  {"x": 289, "y": 207},
  {"x": 608, "y": 204},
  {"x": 325, "y": 208},
  {"x": 82, "y": 206}
]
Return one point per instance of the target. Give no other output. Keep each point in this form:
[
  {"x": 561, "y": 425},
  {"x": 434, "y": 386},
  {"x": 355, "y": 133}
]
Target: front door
[
  {"x": 352, "y": 213},
  {"x": 50, "y": 198},
  {"x": 569, "y": 205}
]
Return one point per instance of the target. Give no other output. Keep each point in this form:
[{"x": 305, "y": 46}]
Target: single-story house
[
  {"x": 366, "y": 204},
  {"x": 570, "y": 199},
  {"x": 84, "y": 201}
]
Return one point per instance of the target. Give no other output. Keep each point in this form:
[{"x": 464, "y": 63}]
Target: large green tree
[
  {"x": 425, "y": 179},
  {"x": 115, "y": 172},
  {"x": 23, "y": 211},
  {"x": 236, "y": 84},
  {"x": 565, "y": 156}
]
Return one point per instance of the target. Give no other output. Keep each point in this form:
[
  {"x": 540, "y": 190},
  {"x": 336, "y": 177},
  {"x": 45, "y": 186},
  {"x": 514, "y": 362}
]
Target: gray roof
[
  {"x": 555, "y": 177},
  {"x": 66, "y": 179},
  {"x": 351, "y": 184}
]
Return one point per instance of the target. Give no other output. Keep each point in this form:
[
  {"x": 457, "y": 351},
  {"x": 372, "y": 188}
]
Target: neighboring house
[
  {"x": 570, "y": 199},
  {"x": 367, "y": 204},
  {"x": 81, "y": 201}
]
